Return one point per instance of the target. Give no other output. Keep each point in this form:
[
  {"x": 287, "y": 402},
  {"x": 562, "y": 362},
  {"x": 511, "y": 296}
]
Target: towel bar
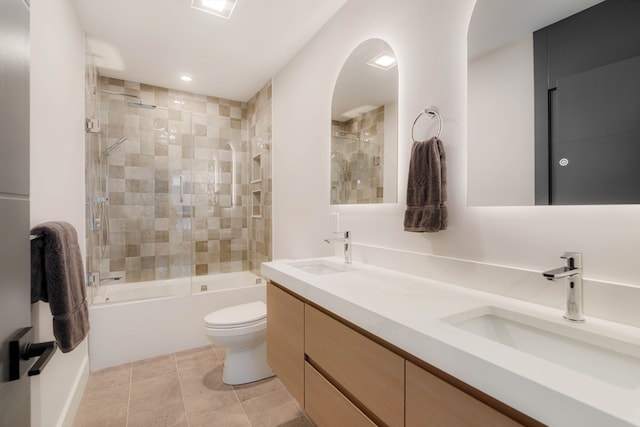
[
  {"x": 431, "y": 112},
  {"x": 21, "y": 349}
]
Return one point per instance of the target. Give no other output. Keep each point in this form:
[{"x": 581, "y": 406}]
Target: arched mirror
[
  {"x": 364, "y": 137},
  {"x": 553, "y": 102}
]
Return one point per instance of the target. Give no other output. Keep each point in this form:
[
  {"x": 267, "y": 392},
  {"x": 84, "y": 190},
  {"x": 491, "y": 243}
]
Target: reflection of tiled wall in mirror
[{"x": 357, "y": 157}]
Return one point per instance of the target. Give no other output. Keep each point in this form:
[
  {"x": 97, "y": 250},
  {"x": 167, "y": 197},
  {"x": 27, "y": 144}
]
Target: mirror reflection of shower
[
  {"x": 340, "y": 178},
  {"x": 100, "y": 219},
  {"x": 356, "y": 166},
  {"x": 358, "y": 136}
]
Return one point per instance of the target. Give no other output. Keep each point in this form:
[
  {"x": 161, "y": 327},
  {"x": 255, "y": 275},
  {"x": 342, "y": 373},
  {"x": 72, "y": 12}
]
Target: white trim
[{"x": 75, "y": 396}]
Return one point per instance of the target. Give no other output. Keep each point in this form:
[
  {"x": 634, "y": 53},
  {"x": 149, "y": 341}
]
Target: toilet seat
[{"x": 238, "y": 316}]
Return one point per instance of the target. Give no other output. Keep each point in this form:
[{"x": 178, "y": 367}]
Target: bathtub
[
  {"x": 121, "y": 292},
  {"x": 136, "y": 321}
]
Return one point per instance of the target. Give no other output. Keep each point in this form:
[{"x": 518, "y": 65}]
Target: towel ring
[{"x": 431, "y": 112}]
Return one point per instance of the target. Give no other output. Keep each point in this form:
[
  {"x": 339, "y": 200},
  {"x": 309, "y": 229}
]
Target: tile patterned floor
[{"x": 184, "y": 390}]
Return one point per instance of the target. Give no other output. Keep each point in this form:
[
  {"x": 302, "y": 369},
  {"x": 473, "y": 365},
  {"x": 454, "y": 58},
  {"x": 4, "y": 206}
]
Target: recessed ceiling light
[
  {"x": 185, "y": 78},
  {"x": 383, "y": 60},
  {"x": 217, "y": 5},
  {"x": 222, "y": 8}
]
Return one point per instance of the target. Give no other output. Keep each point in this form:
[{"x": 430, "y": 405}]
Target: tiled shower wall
[
  {"x": 178, "y": 189},
  {"x": 357, "y": 160},
  {"x": 259, "y": 117}
]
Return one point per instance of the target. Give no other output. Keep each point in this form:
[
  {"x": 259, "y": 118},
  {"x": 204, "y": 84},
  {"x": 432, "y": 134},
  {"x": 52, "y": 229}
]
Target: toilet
[{"x": 242, "y": 331}]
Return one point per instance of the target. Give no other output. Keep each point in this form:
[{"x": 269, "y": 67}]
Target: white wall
[
  {"x": 501, "y": 127},
  {"x": 57, "y": 182},
  {"x": 301, "y": 113},
  {"x": 429, "y": 38},
  {"x": 390, "y": 177}
]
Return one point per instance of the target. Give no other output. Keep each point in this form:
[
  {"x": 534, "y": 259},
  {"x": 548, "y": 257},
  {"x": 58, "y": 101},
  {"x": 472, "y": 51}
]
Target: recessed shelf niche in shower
[{"x": 256, "y": 168}]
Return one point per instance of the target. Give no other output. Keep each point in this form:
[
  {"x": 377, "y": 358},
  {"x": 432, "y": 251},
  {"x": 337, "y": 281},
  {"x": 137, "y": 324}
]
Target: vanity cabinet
[
  {"x": 346, "y": 377},
  {"x": 285, "y": 339},
  {"x": 326, "y": 406},
  {"x": 430, "y": 398},
  {"x": 373, "y": 375}
]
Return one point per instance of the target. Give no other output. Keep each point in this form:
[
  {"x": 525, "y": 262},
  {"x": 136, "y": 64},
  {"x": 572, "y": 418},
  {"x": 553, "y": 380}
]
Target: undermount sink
[
  {"x": 607, "y": 359},
  {"x": 318, "y": 267}
]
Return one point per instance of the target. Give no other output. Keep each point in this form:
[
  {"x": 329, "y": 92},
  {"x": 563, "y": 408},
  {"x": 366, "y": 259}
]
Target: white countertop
[{"x": 406, "y": 311}]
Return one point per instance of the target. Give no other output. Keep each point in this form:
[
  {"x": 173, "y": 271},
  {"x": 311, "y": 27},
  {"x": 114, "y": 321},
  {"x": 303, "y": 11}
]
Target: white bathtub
[
  {"x": 136, "y": 321},
  {"x": 121, "y": 292}
]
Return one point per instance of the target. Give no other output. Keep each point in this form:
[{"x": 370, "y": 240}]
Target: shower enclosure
[
  {"x": 168, "y": 182},
  {"x": 357, "y": 159}
]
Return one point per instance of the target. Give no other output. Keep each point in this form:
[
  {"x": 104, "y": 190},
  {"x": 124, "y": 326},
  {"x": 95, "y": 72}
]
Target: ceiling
[
  {"x": 156, "y": 41},
  {"x": 497, "y": 22},
  {"x": 361, "y": 85}
]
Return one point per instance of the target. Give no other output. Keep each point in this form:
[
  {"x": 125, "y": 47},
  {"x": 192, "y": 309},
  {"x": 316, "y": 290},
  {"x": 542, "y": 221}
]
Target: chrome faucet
[
  {"x": 347, "y": 245},
  {"x": 572, "y": 275}
]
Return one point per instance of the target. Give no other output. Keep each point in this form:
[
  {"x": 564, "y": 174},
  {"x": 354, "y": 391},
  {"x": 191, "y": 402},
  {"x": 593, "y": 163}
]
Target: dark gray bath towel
[
  {"x": 57, "y": 277},
  {"x": 427, "y": 188}
]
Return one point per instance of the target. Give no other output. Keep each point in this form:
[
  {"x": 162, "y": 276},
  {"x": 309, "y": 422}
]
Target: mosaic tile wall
[
  {"x": 178, "y": 188},
  {"x": 259, "y": 116},
  {"x": 357, "y": 156}
]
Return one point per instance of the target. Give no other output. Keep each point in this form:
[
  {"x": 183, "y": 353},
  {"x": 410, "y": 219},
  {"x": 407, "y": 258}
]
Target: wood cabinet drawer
[
  {"x": 326, "y": 406},
  {"x": 368, "y": 372},
  {"x": 285, "y": 339},
  {"x": 432, "y": 401}
]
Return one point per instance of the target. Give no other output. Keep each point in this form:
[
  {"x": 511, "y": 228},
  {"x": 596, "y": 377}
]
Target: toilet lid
[{"x": 237, "y": 315}]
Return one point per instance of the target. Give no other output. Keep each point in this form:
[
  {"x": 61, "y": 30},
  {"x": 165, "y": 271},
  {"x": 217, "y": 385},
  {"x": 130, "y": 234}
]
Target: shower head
[
  {"x": 112, "y": 147},
  {"x": 139, "y": 104}
]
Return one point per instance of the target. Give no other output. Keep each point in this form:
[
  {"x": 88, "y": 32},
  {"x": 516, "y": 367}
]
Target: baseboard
[{"x": 75, "y": 397}]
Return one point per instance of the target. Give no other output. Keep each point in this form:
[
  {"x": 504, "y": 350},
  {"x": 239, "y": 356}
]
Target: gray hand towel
[
  {"x": 57, "y": 277},
  {"x": 427, "y": 188}
]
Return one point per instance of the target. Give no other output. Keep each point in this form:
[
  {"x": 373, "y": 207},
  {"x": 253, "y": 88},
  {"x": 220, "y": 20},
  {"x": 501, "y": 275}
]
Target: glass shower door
[
  {"x": 174, "y": 251},
  {"x": 141, "y": 202}
]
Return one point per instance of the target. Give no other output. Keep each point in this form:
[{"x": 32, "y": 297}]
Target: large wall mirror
[
  {"x": 504, "y": 149},
  {"x": 364, "y": 129}
]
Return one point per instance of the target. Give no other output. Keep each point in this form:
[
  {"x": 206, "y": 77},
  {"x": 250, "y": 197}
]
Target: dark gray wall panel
[
  {"x": 602, "y": 170},
  {"x": 599, "y": 102},
  {"x": 14, "y": 98},
  {"x": 587, "y": 89}
]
